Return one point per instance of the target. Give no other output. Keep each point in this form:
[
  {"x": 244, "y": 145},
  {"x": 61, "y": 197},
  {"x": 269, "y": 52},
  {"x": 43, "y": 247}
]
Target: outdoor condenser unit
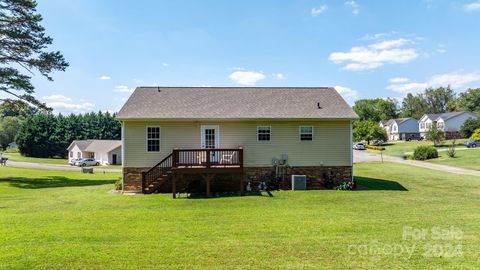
[{"x": 299, "y": 182}]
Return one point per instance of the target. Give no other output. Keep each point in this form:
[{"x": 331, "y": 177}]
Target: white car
[
  {"x": 359, "y": 146},
  {"x": 87, "y": 162}
]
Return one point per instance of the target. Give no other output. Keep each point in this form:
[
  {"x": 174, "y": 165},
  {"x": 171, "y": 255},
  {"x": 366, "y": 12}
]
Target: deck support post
[
  {"x": 242, "y": 184},
  {"x": 174, "y": 186},
  {"x": 208, "y": 178}
]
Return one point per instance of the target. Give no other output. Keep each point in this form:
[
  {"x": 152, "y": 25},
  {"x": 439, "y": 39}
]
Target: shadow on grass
[
  {"x": 51, "y": 182},
  {"x": 366, "y": 183}
]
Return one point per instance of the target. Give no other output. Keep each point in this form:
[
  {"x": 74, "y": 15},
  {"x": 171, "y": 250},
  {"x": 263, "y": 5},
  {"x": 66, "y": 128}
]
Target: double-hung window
[
  {"x": 153, "y": 139},
  {"x": 264, "y": 133},
  {"x": 306, "y": 133}
]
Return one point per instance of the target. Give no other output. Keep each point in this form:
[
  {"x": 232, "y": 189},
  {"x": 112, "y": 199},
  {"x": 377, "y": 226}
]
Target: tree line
[
  {"x": 40, "y": 133},
  {"x": 430, "y": 101}
]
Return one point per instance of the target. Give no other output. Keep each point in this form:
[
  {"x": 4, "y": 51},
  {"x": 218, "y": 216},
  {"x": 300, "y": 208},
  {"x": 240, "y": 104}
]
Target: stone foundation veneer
[{"x": 318, "y": 177}]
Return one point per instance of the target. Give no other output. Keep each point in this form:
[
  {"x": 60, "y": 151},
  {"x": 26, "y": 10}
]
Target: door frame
[{"x": 202, "y": 135}]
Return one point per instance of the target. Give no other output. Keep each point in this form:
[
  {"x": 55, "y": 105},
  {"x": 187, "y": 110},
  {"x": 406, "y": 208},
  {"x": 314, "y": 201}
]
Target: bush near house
[
  {"x": 374, "y": 147},
  {"x": 425, "y": 152},
  {"x": 475, "y": 135}
]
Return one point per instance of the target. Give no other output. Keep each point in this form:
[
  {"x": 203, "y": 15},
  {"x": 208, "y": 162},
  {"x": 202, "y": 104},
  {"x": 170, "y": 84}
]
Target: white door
[
  {"x": 210, "y": 140},
  {"x": 210, "y": 137}
]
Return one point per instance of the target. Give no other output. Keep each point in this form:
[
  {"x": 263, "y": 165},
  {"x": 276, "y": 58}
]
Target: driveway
[
  {"x": 54, "y": 167},
  {"x": 364, "y": 156}
]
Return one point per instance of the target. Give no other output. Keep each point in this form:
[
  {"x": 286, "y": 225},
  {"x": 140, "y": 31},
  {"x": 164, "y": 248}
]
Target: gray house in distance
[{"x": 401, "y": 128}]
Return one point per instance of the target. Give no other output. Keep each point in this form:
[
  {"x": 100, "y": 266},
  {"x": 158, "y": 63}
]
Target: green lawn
[
  {"x": 66, "y": 220},
  {"x": 468, "y": 159},
  {"x": 399, "y": 148},
  {"x": 55, "y": 161},
  {"x": 20, "y": 158}
]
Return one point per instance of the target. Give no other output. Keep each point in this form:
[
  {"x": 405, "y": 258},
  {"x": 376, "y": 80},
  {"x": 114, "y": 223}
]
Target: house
[
  {"x": 106, "y": 152},
  {"x": 221, "y": 138},
  {"x": 450, "y": 122},
  {"x": 401, "y": 128},
  {"x": 12, "y": 145}
]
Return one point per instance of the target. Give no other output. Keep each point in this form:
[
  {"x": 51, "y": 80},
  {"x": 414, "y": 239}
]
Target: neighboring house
[
  {"x": 12, "y": 145},
  {"x": 450, "y": 123},
  {"x": 178, "y": 138},
  {"x": 106, "y": 152},
  {"x": 401, "y": 128}
]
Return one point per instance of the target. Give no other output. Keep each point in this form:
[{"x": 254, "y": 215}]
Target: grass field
[
  {"x": 468, "y": 159},
  {"x": 55, "y": 161},
  {"x": 66, "y": 220},
  {"x": 20, "y": 158},
  {"x": 399, "y": 148}
]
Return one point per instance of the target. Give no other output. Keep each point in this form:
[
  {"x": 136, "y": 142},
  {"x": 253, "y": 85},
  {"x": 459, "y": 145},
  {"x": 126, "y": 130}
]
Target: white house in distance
[
  {"x": 450, "y": 123},
  {"x": 106, "y": 152},
  {"x": 401, "y": 128}
]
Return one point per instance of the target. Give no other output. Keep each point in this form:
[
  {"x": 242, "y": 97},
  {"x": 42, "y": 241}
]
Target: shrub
[
  {"x": 374, "y": 147},
  {"x": 350, "y": 185},
  {"x": 435, "y": 135},
  {"x": 424, "y": 152},
  {"x": 475, "y": 135},
  {"x": 118, "y": 183},
  {"x": 451, "y": 152}
]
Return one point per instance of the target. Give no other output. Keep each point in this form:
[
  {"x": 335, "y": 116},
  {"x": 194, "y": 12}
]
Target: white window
[
  {"x": 394, "y": 128},
  {"x": 264, "y": 133},
  {"x": 429, "y": 125},
  {"x": 71, "y": 153},
  {"x": 440, "y": 125},
  {"x": 153, "y": 139},
  {"x": 306, "y": 133},
  {"x": 422, "y": 125}
]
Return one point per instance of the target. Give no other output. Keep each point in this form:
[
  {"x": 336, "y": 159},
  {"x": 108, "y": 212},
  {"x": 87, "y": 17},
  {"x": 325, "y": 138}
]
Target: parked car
[
  {"x": 87, "y": 162},
  {"x": 377, "y": 142},
  {"x": 73, "y": 161},
  {"x": 472, "y": 143},
  {"x": 359, "y": 146}
]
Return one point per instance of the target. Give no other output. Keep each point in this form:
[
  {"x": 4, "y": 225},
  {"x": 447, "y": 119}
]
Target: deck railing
[{"x": 207, "y": 158}]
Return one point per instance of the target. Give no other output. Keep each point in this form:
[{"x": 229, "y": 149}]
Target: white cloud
[
  {"x": 376, "y": 55},
  {"x": 248, "y": 78},
  {"x": 378, "y": 35},
  {"x": 72, "y": 107},
  {"x": 279, "y": 76},
  {"x": 105, "y": 78},
  {"x": 454, "y": 80},
  {"x": 353, "y": 6},
  {"x": 399, "y": 80},
  {"x": 319, "y": 10},
  {"x": 123, "y": 89},
  {"x": 60, "y": 98},
  {"x": 474, "y": 6},
  {"x": 165, "y": 64},
  {"x": 347, "y": 93}
]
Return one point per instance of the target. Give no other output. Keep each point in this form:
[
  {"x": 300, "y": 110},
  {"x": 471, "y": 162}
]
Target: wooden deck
[{"x": 205, "y": 162}]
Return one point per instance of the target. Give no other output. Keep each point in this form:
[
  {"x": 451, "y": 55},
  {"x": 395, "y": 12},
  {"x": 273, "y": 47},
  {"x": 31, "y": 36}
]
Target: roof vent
[{"x": 318, "y": 105}]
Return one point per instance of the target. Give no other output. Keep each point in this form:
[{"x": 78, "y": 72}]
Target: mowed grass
[
  {"x": 20, "y": 158},
  {"x": 66, "y": 220},
  {"x": 399, "y": 148},
  {"x": 468, "y": 159},
  {"x": 55, "y": 161}
]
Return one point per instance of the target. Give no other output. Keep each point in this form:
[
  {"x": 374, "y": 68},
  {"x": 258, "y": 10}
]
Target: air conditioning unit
[{"x": 299, "y": 182}]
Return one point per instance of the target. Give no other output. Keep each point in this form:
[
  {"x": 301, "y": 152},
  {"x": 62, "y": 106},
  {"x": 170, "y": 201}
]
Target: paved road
[
  {"x": 364, "y": 156},
  {"x": 53, "y": 167}
]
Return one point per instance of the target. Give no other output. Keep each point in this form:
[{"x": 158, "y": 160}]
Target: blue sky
[{"x": 365, "y": 48}]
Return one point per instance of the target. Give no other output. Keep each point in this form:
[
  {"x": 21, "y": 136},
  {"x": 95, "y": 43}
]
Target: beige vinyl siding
[{"x": 330, "y": 145}]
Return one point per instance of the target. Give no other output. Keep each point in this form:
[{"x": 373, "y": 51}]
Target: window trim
[
  {"x": 147, "y": 139},
  {"x": 300, "y": 134},
  {"x": 270, "y": 129}
]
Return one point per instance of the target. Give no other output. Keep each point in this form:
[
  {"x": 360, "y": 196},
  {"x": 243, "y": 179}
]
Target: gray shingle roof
[
  {"x": 236, "y": 103},
  {"x": 444, "y": 116},
  {"x": 103, "y": 146}
]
